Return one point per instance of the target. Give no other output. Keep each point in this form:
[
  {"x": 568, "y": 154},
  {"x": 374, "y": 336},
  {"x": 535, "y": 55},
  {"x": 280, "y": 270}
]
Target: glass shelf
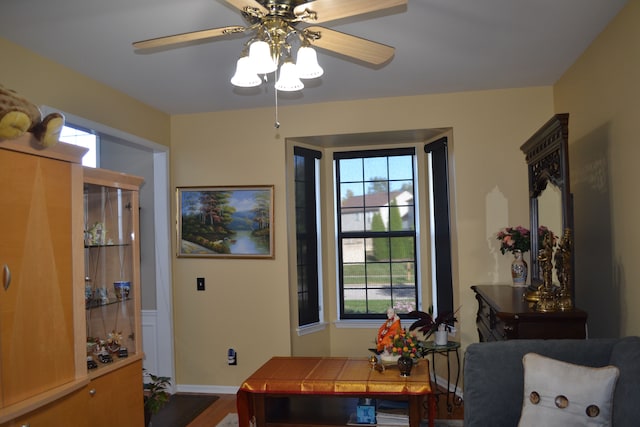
[
  {"x": 93, "y": 303},
  {"x": 114, "y": 245}
]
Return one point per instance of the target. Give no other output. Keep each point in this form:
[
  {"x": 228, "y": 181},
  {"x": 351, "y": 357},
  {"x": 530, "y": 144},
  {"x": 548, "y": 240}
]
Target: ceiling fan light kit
[
  {"x": 260, "y": 61},
  {"x": 274, "y": 41}
]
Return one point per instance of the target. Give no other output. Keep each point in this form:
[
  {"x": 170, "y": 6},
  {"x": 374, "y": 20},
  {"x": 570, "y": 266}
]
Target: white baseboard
[{"x": 442, "y": 382}]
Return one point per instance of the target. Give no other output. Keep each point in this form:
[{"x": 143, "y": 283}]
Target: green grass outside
[{"x": 378, "y": 273}]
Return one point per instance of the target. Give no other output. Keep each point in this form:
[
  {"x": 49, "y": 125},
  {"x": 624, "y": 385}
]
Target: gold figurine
[
  {"x": 552, "y": 297},
  {"x": 534, "y": 293},
  {"x": 547, "y": 300},
  {"x": 564, "y": 271}
]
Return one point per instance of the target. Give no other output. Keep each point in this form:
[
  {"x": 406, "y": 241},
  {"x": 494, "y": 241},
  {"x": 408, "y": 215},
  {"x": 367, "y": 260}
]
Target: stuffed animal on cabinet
[{"x": 18, "y": 115}]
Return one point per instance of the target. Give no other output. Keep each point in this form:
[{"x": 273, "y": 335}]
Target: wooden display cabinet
[
  {"x": 112, "y": 269},
  {"x": 58, "y": 290},
  {"x": 41, "y": 310}
]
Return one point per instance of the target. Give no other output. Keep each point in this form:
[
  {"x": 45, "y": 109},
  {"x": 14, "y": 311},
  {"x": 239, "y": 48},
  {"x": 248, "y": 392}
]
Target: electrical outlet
[
  {"x": 200, "y": 283},
  {"x": 232, "y": 357}
]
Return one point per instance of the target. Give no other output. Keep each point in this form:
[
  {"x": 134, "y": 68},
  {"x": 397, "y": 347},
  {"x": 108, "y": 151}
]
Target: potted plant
[
  {"x": 427, "y": 325},
  {"x": 156, "y": 395}
]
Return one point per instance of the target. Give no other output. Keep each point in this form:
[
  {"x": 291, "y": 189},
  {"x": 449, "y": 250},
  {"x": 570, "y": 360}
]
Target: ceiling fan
[{"x": 276, "y": 25}]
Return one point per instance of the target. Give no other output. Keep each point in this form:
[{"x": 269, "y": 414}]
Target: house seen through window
[{"x": 376, "y": 232}]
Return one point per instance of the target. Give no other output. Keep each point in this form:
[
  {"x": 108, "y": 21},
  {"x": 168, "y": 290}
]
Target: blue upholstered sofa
[{"x": 494, "y": 376}]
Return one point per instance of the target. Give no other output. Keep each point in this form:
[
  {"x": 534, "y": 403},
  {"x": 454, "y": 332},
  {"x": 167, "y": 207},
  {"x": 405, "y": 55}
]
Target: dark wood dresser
[{"x": 503, "y": 314}]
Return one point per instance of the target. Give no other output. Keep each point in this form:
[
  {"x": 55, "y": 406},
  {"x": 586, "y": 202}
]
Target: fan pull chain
[{"x": 276, "y": 124}]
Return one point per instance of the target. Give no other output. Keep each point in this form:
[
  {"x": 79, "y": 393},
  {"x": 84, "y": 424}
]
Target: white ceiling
[{"x": 441, "y": 46}]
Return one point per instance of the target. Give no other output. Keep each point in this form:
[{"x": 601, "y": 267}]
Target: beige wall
[
  {"x": 45, "y": 82},
  {"x": 602, "y": 93},
  {"x": 246, "y": 305}
]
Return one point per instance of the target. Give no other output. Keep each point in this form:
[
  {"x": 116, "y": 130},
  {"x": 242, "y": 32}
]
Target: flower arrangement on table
[
  {"x": 405, "y": 345},
  {"x": 514, "y": 238}
]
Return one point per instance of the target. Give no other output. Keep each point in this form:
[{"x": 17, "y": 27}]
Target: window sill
[
  {"x": 310, "y": 329},
  {"x": 358, "y": 324}
]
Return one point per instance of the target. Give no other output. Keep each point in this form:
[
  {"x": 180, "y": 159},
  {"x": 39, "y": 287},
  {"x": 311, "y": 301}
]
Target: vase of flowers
[
  {"x": 405, "y": 345},
  {"x": 516, "y": 240}
]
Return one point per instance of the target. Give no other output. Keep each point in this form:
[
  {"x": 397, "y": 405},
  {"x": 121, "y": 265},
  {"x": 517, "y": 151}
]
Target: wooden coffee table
[{"x": 332, "y": 376}]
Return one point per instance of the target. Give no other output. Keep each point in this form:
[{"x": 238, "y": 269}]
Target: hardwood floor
[
  {"x": 215, "y": 413},
  {"x": 227, "y": 403}
]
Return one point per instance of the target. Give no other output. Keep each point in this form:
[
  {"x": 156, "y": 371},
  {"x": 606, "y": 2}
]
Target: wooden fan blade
[
  {"x": 330, "y": 10},
  {"x": 241, "y": 5},
  {"x": 188, "y": 37},
  {"x": 352, "y": 46}
]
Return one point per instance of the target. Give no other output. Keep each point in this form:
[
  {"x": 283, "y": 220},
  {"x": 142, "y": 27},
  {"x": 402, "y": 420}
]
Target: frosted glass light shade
[
  {"x": 260, "y": 54},
  {"x": 245, "y": 76},
  {"x": 289, "y": 81},
  {"x": 307, "y": 63}
]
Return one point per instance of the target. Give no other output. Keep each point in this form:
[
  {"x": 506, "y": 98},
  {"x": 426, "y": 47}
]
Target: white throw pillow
[{"x": 561, "y": 394}]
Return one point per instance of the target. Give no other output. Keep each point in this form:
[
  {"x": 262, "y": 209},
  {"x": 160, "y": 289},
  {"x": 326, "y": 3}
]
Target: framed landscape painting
[{"x": 225, "y": 222}]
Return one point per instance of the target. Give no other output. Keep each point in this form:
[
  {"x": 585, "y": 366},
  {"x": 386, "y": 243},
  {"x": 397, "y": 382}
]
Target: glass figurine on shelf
[{"x": 96, "y": 235}]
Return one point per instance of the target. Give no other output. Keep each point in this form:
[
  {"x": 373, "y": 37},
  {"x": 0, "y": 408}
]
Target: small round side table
[{"x": 430, "y": 347}]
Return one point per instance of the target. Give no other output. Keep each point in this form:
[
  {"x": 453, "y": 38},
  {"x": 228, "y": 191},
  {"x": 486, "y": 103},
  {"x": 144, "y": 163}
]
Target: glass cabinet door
[{"x": 111, "y": 271}]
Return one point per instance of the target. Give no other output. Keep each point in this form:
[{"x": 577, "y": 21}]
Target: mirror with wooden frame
[{"x": 550, "y": 205}]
